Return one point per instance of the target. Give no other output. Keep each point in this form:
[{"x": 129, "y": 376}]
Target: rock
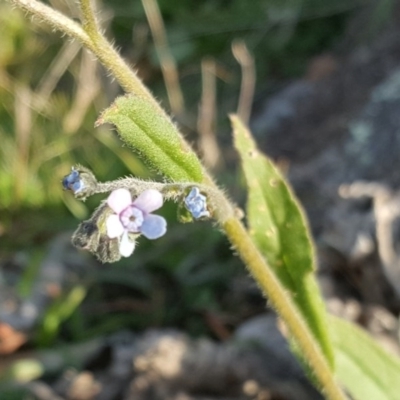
[{"x": 169, "y": 364}]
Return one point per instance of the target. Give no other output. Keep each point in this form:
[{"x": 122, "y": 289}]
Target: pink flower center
[{"x": 131, "y": 218}]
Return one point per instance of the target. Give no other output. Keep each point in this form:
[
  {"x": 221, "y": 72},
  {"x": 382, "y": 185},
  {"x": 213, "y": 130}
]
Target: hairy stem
[
  {"x": 220, "y": 209},
  {"x": 108, "y": 56},
  {"x": 55, "y": 19},
  {"x": 89, "y": 21}
]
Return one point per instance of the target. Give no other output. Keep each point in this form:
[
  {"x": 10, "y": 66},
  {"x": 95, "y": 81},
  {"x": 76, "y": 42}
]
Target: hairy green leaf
[
  {"x": 279, "y": 229},
  {"x": 154, "y": 137},
  {"x": 366, "y": 370}
]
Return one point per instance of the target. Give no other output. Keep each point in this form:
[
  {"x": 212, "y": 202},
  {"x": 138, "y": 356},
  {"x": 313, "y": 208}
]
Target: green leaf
[
  {"x": 152, "y": 135},
  {"x": 366, "y": 370},
  {"x": 279, "y": 229}
]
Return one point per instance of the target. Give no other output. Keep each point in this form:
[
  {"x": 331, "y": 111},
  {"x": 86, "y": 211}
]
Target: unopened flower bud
[
  {"x": 80, "y": 181},
  {"x": 196, "y": 203}
]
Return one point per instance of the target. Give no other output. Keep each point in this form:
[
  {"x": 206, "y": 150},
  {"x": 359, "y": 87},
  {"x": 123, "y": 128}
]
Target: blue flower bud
[
  {"x": 73, "y": 182},
  {"x": 196, "y": 203}
]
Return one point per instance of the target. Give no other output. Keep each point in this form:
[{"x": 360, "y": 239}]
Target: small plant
[{"x": 275, "y": 246}]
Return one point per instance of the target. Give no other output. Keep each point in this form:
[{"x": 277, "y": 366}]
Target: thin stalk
[
  {"x": 108, "y": 56},
  {"x": 55, "y": 19},
  {"x": 89, "y": 21}
]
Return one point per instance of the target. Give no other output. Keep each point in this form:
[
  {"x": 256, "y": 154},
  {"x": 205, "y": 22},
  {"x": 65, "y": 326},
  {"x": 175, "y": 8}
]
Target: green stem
[
  {"x": 55, "y": 19},
  {"x": 271, "y": 287},
  {"x": 89, "y": 21},
  {"x": 108, "y": 56}
]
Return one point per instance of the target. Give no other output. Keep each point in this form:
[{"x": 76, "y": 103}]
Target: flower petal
[
  {"x": 149, "y": 200},
  {"x": 153, "y": 226},
  {"x": 77, "y": 187},
  {"x": 126, "y": 246},
  {"x": 119, "y": 199},
  {"x": 114, "y": 226}
]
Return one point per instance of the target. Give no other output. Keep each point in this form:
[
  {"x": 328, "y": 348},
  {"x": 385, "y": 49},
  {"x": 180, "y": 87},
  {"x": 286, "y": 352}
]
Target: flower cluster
[
  {"x": 134, "y": 217},
  {"x": 113, "y": 228}
]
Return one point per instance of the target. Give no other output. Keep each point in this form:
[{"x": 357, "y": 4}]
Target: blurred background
[{"x": 319, "y": 85}]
